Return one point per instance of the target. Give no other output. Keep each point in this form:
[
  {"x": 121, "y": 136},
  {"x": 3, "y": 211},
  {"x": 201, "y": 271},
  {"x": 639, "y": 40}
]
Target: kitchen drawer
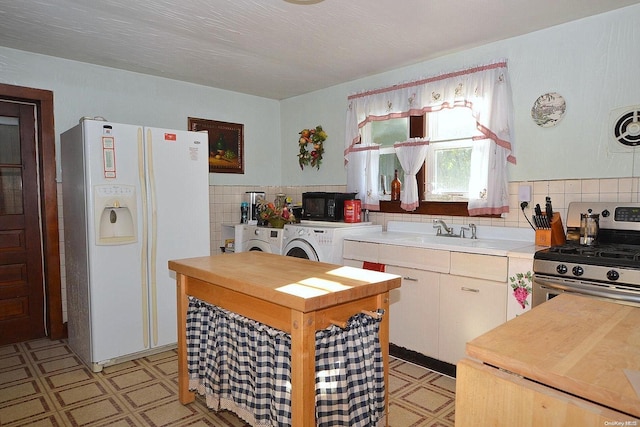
[
  {"x": 351, "y": 263},
  {"x": 420, "y": 258},
  {"x": 480, "y": 266},
  {"x": 362, "y": 251}
]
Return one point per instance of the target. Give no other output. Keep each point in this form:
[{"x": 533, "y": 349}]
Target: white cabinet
[
  {"x": 414, "y": 310},
  {"x": 352, "y": 263},
  {"x": 420, "y": 258},
  {"x": 228, "y": 238},
  {"x": 446, "y": 299},
  {"x": 360, "y": 251},
  {"x": 520, "y": 271},
  {"x": 479, "y": 266},
  {"x": 469, "y": 307},
  {"x": 473, "y": 300}
]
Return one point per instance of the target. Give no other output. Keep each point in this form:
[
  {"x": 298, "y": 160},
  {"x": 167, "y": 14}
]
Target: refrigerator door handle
[
  {"x": 143, "y": 248},
  {"x": 154, "y": 239}
]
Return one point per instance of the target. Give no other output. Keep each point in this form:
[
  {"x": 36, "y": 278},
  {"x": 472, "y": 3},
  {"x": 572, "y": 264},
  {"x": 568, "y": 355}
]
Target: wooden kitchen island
[
  {"x": 568, "y": 362},
  {"x": 293, "y": 295}
]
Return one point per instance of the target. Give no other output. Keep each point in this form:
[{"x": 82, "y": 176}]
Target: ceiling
[{"x": 272, "y": 48}]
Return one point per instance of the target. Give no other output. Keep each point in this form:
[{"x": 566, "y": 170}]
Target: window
[
  {"x": 486, "y": 89},
  {"x": 448, "y": 163},
  {"x": 386, "y": 133}
]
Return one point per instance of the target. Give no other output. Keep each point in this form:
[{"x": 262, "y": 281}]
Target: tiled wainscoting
[{"x": 225, "y": 202}]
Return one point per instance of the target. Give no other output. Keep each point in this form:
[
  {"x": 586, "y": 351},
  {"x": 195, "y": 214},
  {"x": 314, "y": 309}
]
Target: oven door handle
[
  {"x": 552, "y": 284},
  {"x": 576, "y": 288}
]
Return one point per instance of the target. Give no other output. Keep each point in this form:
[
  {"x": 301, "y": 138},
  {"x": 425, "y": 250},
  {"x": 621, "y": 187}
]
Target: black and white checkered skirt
[{"x": 245, "y": 366}]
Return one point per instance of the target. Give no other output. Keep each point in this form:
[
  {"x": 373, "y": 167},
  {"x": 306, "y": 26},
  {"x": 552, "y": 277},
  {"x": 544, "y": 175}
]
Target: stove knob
[
  {"x": 577, "y": 271},
  {"x": 613, "y": 275},
  {"x": 605, "y": 213},
  {"x": 562, "y": 269}
]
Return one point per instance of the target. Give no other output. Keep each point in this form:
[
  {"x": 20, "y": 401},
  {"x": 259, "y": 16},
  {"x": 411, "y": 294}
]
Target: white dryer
[
  {"x": 322, "y": 241},
  {"x": 257, "y": 238}
]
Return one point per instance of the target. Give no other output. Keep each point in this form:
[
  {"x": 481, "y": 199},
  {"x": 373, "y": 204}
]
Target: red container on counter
[{"x": 352, "y": 210}]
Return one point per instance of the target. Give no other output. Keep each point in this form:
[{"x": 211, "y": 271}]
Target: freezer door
[
  {"x": 100, "y": 170},
  {"x": 178, "y": 183}
]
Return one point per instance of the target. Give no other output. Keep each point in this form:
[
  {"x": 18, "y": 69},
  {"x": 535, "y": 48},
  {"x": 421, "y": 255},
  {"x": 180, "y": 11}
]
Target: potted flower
[{"x": 277, "y": 213}]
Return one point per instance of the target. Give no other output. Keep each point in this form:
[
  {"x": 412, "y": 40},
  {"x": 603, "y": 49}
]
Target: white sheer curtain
[
  {"x": 488, "y": 171},
  {"x": 484, "y": 89},
  {"x": 411, "y": 155},
  {"x": 362, "y": 175}
]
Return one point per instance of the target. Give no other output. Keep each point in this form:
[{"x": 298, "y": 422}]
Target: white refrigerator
[{"x": 133, "y": 197}]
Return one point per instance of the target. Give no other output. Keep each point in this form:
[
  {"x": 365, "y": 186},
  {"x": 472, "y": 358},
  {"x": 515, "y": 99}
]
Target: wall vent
[{"x": 625, "y": 127}]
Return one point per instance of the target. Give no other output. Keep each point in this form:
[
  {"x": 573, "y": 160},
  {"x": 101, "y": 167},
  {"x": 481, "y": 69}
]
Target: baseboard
[{"x": 422, "y": 360}]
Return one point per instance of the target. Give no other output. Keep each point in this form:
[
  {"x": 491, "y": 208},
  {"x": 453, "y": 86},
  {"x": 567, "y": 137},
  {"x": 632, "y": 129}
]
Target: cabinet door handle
[
  {"x": 464, "y": 288},
  {"x": 410, "y": 279}
]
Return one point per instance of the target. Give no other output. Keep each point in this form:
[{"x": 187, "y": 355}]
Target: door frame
[{"x": 43, "y": 101}]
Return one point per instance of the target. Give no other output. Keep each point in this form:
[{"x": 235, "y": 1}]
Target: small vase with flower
[{"x": 276, "y": 213}]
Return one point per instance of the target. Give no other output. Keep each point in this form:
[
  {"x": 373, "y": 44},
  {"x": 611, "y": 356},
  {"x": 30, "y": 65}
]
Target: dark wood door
[{"x": 22, "y": 314}]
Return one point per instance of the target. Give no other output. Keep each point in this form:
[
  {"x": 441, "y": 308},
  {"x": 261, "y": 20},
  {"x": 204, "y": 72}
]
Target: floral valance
[{"x": 484, "y": 89}]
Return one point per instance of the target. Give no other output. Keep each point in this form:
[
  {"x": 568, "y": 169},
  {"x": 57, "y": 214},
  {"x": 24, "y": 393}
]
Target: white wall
[
  {"x": 86, "y": 90},
  {"x": 593, "y": 63}
]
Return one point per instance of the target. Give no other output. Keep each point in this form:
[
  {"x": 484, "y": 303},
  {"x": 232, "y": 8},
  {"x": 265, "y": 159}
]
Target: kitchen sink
[{"x": 452, "y": 243}]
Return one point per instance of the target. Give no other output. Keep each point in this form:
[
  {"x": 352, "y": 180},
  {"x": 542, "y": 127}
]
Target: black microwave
[{"x": 324, "y": 206}]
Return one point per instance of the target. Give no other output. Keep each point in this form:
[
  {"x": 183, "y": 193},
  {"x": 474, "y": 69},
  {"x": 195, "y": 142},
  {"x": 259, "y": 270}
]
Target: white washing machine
[
  {"x": 256, "y": 238},
  {"x": 322, "y": 241}
]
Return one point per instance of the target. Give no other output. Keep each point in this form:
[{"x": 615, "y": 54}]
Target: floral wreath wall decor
[{"x": 316, "y": 137}]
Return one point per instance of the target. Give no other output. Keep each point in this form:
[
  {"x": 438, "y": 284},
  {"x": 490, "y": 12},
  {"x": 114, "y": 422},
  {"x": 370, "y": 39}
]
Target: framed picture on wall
[{"x": 226, "y": 144}]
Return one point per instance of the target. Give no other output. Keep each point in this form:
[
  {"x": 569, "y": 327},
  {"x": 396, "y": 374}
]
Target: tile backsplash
[
  {"x": 225, "y": 201},
  {"x": 224, "y": 205}
]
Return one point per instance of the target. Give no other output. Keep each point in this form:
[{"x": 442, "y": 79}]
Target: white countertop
[{"x": 499, "y": 241}]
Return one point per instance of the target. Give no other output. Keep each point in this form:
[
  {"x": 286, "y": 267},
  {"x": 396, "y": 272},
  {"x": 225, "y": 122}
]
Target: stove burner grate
[{"x": 590, "y": 254}]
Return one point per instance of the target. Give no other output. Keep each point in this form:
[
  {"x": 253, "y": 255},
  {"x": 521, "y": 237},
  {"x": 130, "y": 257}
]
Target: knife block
[{"x": 553, "y": 236}]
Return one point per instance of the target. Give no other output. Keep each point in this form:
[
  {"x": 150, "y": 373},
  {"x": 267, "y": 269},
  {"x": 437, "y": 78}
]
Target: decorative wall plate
[{"x": 548, "y": 109}]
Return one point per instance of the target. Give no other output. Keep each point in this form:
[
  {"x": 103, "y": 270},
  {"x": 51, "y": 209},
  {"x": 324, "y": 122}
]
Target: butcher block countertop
[
  {"x": 573, "y": 343},
  {"x": 288, "y": 281},
  {"x": 294, "y": 295}
]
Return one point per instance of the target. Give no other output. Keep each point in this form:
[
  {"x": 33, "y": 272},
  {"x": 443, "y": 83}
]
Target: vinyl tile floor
[{"x": 43, "y": 383}]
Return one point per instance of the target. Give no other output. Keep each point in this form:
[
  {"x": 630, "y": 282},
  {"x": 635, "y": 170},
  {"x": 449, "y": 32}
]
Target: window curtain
[
  {"x": 411, "y": 155},
  {"x": 484, "y": 89},
  {"x": 362, "y": 175}
]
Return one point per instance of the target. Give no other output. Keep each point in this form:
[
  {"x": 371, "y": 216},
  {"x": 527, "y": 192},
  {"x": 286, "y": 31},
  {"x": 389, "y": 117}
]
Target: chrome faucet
[
  {"x": 473, "y": 231},
  {"x": 441, "y": 225}
]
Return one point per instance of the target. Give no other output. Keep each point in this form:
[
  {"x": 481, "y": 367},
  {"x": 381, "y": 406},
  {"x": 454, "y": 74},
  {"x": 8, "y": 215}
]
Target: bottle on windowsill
[{"x": 395, "y": 187}]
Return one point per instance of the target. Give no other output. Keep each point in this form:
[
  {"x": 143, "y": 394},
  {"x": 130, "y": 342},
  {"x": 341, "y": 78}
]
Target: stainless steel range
[{"x": 608, "y": 268}]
